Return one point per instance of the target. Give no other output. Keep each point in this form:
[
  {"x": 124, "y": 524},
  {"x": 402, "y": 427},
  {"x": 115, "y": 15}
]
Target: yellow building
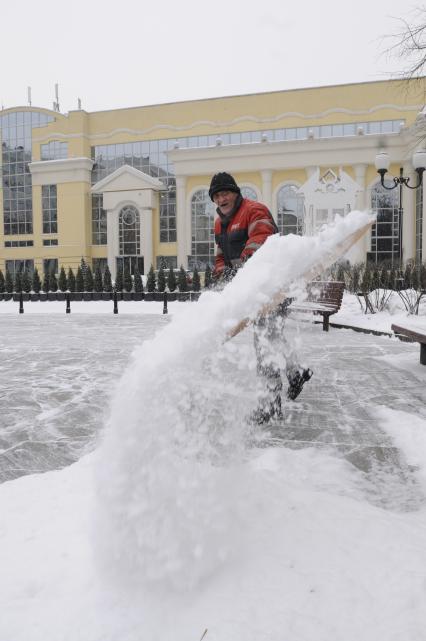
[{"x": 131, "y": 184}]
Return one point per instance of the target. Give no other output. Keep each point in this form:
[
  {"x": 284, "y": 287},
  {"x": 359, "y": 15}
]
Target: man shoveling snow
[{"x": 242, "y": 226}]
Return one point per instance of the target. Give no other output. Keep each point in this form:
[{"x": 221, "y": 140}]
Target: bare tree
[{"x": 409, "y": 44}]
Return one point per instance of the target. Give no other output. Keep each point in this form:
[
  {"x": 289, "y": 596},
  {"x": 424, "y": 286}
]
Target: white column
[
  {"x": 146, "y": 236},
  {"x": 309, "y": 227},
  {"x": 359, "y": 250},
  {"x": 409, "y": 215},
  {"x": 183, "y": 223},
  {"x": 112, "y": 235},
  {"x": 311, "y": 170},
  {"x": 361, "y": 197},
  {"x": 267, "y": 190}
]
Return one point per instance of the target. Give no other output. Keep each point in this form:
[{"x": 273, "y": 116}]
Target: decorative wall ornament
[
  {"x": 325, "y": 196},
  {"x": 229, "y": 123}
]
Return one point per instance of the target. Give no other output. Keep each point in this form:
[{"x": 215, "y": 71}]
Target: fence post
[
  {"x": 68, "y": 308},
  {"x": 165, "y": 310},
  {"x": 21, "y": 303},
  {"x": 115, "y": 301}
]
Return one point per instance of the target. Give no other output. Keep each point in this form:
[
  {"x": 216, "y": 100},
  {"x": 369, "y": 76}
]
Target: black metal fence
[
  {"x": 115, "y": 297},
  {"x": 95, "y": 296}
]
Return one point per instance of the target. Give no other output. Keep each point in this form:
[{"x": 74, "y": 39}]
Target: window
[
  {"x": 19, "y": 243},
  {"x": 50, "y": 242},
  {"x": 99, "y": 221},
  {"x": 321, "y": 218},
  {"x": 290, "y": 209},
  {"x": 385, "y": 233},
  {"x": 166, "y": 262},
  {"x": 102, "y": 263},
  {"x": 129, "y": 231},
  {"x": 15, "y": 266},
  {"x": 373, "y": 127},
  {"x": 54, "y": 150},
  {"x": 50, "y": 265},
  {"x": 49, "y": 209},
  {"x": 202, "y": 215},
  {"x": 131, "y": 261},
  {"x": 16, "y": 132},
  {"x": 248, "y": 192},
  {"x": 149, "y": 157},
  {"x": 168, "y": 214}
]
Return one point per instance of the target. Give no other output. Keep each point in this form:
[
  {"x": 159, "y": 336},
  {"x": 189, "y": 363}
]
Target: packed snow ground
[{"x": 181, "y": 521}]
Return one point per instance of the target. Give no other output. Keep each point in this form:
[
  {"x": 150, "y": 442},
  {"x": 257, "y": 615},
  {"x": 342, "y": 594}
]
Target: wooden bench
[
  {"x": 324, "y": 298},
  {"x": 415, "y": 335}
]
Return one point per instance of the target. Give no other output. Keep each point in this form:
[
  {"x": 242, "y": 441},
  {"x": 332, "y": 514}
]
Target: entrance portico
[{"x": 129, "y": 196}]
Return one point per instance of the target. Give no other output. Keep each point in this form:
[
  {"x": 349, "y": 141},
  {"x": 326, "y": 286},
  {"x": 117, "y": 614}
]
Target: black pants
[{"x": 273, "y": 355}]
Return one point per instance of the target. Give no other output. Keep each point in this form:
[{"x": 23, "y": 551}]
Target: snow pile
[
  {"x": 171, "y": 484},
  {"x": 318, "y": 563},
  {"x": 408, "y": 434}
]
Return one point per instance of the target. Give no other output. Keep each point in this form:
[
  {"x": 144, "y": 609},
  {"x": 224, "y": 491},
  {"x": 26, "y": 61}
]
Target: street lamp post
[{"x": 382, "y": 165}]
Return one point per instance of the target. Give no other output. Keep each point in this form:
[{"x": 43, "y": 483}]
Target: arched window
[
  {"x": 129, "y": 230},
  {"x": 248, "y": 192},
  {"x": 385, "y": 233},
  {"x": 290, "y": 208},
  {"x": 202, "y": 218}
]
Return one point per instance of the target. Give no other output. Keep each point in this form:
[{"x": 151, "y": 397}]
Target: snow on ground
[
  {"x": 352, "y": 314},
  {"x": 310, "y": 564},
  {"x": 181, "y": 523}
]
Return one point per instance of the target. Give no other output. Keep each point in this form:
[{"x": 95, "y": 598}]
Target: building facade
[{"x": 131, "y": 185}]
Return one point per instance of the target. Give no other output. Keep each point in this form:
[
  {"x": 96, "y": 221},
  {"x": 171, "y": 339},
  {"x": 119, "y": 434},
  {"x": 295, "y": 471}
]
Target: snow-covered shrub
[
  {"x": 62, "y": 282},
  {"x": 71, "y": 280},
  {"x": 137, "y": 278},
  {"x": 36, "y": 282},
  {"x": 26, "y": 282},
  {"x": 127, "y": 278},
  {"x": 53, "y": 282},
  {"x": 161, "y": 280},
  {"x": 88, "y": 279},
  {"x": 107, "y": 282},
  {"x": 196, "y": 283},
  {"x": 151, "y": 280},
  {"x": 8, "y": 282},
  {"x": 207, "y": 276},
  {"x": 79, "y": 281},
  {"x": 182, "y": 281},
  {"x": 375, "y": 287},
  {"x": 413, "y": 286},
  {"x": 17, "y": 285},
  {"x": 171, "y": 280},
  {"x": 97, "y": 280}
]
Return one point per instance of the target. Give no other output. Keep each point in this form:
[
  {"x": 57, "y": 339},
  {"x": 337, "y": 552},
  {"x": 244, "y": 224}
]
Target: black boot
[{"x": 296, "y": 380}]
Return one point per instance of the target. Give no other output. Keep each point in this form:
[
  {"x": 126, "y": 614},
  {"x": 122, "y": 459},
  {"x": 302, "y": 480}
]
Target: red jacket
[{"x": 238, "y": 237}]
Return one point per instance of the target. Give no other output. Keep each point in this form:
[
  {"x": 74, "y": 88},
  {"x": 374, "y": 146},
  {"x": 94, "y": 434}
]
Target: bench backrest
[{"x": 326, "y": 292}]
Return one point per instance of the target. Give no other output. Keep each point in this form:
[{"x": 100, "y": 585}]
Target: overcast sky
[{"x": 134, "y": 52}]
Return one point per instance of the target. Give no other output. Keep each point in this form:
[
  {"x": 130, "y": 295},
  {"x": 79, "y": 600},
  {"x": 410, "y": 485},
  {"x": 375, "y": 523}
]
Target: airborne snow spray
[{"x": 172, "y": 489}]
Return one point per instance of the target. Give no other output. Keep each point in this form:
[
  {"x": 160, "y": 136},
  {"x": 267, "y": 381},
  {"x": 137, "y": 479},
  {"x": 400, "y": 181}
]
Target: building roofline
[
  {"x": 5, "y": 110},
  {"x": 260, "y": 93}
]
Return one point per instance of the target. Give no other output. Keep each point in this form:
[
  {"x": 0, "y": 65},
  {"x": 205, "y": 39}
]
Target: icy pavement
[
  {"x": 58, "y": 372},
  {"x": 328, "y": 536},
  {"x": 355, "y": 377}
]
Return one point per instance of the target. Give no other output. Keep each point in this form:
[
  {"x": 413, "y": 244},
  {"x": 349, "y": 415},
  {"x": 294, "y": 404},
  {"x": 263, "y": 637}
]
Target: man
[{"x": 241, "y": 227}]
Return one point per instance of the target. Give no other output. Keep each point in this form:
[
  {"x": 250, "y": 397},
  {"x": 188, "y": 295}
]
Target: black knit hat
[{"x": 223, "y": 182}]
